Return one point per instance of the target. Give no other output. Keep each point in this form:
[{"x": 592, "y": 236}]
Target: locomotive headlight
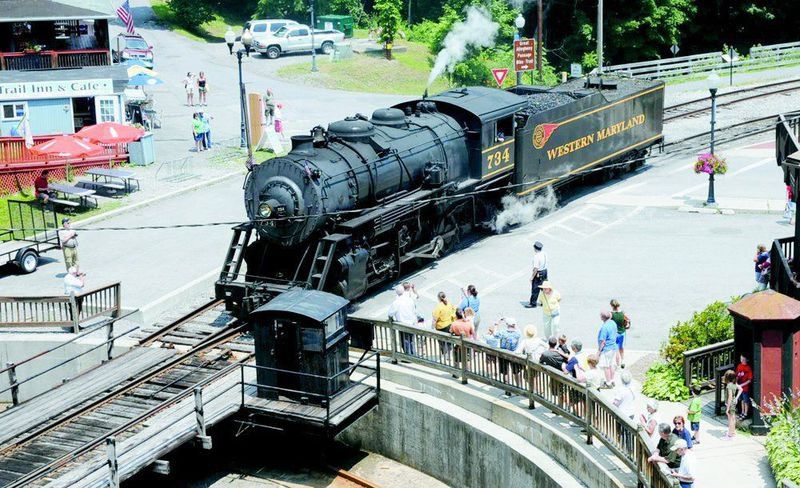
[{"x": 265, "y": 210}]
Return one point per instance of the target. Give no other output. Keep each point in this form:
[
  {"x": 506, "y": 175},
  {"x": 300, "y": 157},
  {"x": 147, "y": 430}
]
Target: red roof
[{"x": 767, "y": 305}]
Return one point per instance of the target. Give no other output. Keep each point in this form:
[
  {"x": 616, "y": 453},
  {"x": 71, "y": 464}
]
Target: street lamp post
[
  {"x": 600, "y": 37},
  {"x": 313, "y": 44},
  {"x": 519, "y": 22},
  {"x": 713, "y": 84},
  {"x": 247, "y": 41}
]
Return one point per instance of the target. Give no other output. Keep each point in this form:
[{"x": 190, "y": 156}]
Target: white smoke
[
  {"x": 478, "y": 30},
  {"x": 524, "y": 210}
]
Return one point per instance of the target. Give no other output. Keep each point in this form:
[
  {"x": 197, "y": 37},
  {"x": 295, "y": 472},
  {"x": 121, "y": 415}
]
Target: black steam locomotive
[{"x": 356, "y": 204}]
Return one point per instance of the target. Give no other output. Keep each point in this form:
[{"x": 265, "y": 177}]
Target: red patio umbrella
[
  {"x": 66, "y": 147},
  {"x": 110, "y": 133}
]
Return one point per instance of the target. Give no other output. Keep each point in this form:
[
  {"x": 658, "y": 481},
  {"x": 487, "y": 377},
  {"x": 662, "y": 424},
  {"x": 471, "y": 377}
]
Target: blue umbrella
[{"x": 144, "y": 80}]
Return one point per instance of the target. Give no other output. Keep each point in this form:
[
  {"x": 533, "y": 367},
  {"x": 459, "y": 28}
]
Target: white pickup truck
[{"x": 297, "y": 38}]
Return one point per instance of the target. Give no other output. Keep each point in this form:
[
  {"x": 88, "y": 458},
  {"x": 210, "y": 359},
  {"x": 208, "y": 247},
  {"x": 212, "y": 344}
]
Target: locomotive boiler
[{"x": 357, "y": 203}]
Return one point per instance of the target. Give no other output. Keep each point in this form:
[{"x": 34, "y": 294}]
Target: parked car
[
  {"x": 266, "y": 28},
  {"x": 132, "y": 46},
  {"x": 297, "y": 38}
]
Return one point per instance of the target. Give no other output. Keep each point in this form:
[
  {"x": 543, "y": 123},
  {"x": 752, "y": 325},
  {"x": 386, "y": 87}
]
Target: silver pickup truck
[{"x": 296, "y": 38}]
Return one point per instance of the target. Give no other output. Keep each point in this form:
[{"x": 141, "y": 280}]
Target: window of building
[
  {"x": 107, "y": 110},
  {"x": 13, "y": 111}
]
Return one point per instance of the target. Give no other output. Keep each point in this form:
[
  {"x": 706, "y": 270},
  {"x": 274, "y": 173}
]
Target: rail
[
  {"x": 60, "y": 311},
  {"x": 515, "y": 374},
  {"x": 787, "y": 483},
  {"x": 54, "y": 59},
  {"x": 13, "y": 150},
  {"x": 781, "y": 276},
  {"x": 771, "y": 55},
  {"x": 11, "y": 368},
  {"x": 700, "y": 365}
]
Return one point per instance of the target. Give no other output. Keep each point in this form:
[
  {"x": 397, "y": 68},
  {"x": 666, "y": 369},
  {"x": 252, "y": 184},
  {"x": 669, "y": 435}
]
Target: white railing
[{"x": 760, "y": 56}]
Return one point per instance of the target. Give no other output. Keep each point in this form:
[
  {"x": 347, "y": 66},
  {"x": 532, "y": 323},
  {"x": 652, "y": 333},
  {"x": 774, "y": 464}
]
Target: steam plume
[
  {"x": 478, "y": 30},
  {"x": 520, "y": 211}
]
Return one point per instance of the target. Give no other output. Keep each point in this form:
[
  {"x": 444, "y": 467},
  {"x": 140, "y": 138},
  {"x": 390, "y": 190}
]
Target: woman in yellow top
[
  {"x": 444, "y": 314},
  {"x": 550, "y": 301}
]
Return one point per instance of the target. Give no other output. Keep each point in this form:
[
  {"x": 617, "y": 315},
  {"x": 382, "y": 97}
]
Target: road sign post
[
  {"x": 674, "y": 49},
  {"x": 524, "y": 55},
  {"x": 500, "y": 75}
]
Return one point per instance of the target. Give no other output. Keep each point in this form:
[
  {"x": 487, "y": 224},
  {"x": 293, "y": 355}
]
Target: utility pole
[
  {"x": 409, "y": 13},
  {"x": 539, "y": 39},
  {"x": 600, "y": 37}
]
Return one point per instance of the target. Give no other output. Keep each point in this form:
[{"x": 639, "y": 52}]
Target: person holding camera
[
  {"x": 74, "y": 281},
  {"x": 69, "y": 243}
]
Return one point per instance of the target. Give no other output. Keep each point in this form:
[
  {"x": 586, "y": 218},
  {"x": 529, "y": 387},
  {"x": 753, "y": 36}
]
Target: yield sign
[{"x": 499, "y": 75}]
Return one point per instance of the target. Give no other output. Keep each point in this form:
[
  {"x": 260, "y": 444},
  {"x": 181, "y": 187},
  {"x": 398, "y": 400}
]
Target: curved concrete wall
[
  {"x": 453, "y": 445},
  {"x": 426, "y": 413}
]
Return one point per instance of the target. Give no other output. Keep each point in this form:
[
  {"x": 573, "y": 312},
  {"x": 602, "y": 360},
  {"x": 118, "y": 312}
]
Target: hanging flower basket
[{"x": 710, "y": 164}]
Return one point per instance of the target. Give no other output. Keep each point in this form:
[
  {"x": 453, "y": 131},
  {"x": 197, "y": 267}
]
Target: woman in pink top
[{"x": 462, "y": 326}]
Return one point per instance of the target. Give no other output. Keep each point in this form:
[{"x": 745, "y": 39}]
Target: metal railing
[
  {"x": 700, "y": 365},
  {"x": 771, "y": 55},
  {"x": 515, "y": 374},
  {"x": 54, "y": 59},
  {"x": 781, "y": 275},
  {"x": 61, "y": 311},
  {"x": 11, "y": 368}
]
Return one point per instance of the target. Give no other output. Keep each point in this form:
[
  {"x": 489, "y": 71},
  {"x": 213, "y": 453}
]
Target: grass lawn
[
  {"x": 213, "y": 31},
  {"x": 105, "y": 206},
  {"x": 406, "y": 74}
]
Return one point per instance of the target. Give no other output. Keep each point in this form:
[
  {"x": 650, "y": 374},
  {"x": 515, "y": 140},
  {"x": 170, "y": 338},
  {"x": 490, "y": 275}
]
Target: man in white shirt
[
  {"x": 685, "y": 474},
  {"x": 539, "y": 273},
  {"x": 624, "y": 397},
  {"x": 403, "y": 311},
  {"x": 73, "y": 281}
]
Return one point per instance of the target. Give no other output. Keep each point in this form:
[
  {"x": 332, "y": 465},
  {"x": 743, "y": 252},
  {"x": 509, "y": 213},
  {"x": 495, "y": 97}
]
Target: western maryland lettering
[{"x": 589, "y": 139}]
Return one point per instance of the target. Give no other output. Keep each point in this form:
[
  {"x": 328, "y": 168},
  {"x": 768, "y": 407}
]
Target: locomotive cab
[{"x": 301, "y": 346}]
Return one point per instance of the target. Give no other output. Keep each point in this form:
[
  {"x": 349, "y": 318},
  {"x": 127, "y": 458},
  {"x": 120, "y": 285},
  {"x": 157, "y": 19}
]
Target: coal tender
[{"x": 361, "y": 201}]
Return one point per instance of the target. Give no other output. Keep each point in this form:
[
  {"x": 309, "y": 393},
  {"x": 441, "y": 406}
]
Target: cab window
[
  {"x": 504, "y": 130},
  {"x": 301, "y": 32}
]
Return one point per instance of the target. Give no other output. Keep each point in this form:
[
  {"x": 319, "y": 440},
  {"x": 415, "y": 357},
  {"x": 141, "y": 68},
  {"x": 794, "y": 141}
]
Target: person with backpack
[
  {"x": 623, "y": 324},
  {"x": 761, "y": 261},
  {"x": 509, "y": 340}
]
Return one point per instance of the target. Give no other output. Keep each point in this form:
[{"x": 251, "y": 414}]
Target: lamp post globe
[
  {"x": 230, "y": 38},
  {"x": 519, "y": 22},
  {"x": 247, "y": 40}
]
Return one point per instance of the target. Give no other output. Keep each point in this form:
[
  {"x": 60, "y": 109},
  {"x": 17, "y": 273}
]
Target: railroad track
[
  {"x": 209, "y": 341},
  {"x": 693, "y": 108},
  {"x": 723, "y": 135}
]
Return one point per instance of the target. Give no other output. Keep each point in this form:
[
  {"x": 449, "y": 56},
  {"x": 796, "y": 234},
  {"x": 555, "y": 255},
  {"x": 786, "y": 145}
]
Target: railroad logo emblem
[{"x": 542, "y": 133}]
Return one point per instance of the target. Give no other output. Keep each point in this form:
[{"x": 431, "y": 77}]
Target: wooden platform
[
  {"x": 343, "y": 406},
  {"x": 62, "y": 399}
]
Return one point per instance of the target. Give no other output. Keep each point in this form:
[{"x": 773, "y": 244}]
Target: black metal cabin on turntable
[{"x": 355, "y": 205}]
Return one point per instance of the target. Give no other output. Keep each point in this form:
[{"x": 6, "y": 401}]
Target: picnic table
[
  {"x": 84, "y": 195},
  {"x": 106, "y": 178}
]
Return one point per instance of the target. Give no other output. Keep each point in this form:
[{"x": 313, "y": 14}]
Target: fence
[
  {"x": 760, "y": 56},
  {"x": 470, "y": 360},
  {"x": 60, "y": 311},
  {"x": 54, "y": 59},
  {"x": 191, "y": 167},
  {"x": 700, "y": 365}
]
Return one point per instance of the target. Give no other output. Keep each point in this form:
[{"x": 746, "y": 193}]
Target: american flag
[{"x": 124, "y": 14}]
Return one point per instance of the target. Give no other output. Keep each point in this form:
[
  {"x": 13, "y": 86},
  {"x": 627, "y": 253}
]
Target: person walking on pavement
[
  {"x": 623, "y": 324},
  {"x": 197, "y": 132},
  {"x": 205, "y": 119},
  {"x": 189, "y": 84},
  {"x": 550, "y": 300},
  {"x": 202, "y": 89},
  {"x": 69, "y": 243},
  {"x": 607, "y": 347},
  {"x": 539, "y": 273}
]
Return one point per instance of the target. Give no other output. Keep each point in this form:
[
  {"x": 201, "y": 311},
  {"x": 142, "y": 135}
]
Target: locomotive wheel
[{"x": 447, "y": 235}]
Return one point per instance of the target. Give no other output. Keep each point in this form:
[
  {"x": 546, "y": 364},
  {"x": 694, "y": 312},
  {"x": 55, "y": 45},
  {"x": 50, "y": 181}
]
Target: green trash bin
[{"x": 342, "y": 23}]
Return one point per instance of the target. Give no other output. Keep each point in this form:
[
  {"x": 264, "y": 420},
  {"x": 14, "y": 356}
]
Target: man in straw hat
[
  {"x": 550, "y": 300},
  {"x": 685, "y": 473}
]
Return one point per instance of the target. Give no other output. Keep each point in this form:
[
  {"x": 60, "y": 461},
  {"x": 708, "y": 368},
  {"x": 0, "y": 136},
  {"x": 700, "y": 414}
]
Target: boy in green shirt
[{"x": 694, "y": 413}]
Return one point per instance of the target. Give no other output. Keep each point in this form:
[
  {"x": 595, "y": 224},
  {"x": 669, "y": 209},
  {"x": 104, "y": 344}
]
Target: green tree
[
  {"x": 353, "y": 8},
  {"x": 191, "y": 13},
  {"x": 388, "y": 19}
]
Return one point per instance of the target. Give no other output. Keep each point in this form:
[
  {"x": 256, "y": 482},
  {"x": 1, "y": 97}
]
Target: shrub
[
  {"x": 191, "y": 13},
  {"x": 783, "y": 440},
  {"x": 709, "y": 326},
  {"x": 665, "y": 382},
  {"x": 423, "y": 32}
]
